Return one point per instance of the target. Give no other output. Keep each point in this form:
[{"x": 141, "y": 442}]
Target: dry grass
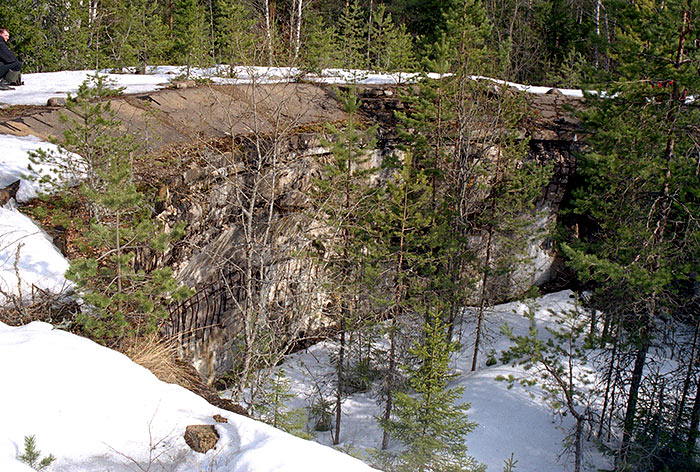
[{"x": 160, "y": 356}]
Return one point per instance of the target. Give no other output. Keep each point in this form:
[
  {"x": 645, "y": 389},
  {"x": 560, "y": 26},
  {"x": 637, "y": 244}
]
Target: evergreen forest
[{"x": 400, "y": 265}]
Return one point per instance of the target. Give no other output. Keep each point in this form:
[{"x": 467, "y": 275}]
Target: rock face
[
  {"x": 245, "y": 159},
  {"x": 247, "y": 198}
]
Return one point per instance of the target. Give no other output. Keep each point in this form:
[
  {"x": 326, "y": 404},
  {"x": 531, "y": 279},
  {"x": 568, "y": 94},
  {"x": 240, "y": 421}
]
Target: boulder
[
  {"x": 56, "y": 102},
  {"x": 201, "y": 437}
]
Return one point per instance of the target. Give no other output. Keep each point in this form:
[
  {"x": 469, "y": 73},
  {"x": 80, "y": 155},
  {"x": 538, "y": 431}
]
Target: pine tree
[
  {"x": 343, "y": 193},
  {"x": 429, "y": 421},
  {"x": 639, "y": 196},
  {"x": 558, "y": 364},
  {"x": 406, "y": 240},
  {"x": 121, "y": 298},
  {"x": 32, "y": 456}
]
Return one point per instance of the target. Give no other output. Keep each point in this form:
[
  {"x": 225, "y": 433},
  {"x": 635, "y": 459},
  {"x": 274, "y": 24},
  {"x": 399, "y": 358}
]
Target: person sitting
[{"x": 8, "y": 60}]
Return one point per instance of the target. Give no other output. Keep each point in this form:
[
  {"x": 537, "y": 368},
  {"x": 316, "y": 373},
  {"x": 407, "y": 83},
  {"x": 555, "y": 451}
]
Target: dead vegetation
[{"x": 159, "y": 355}]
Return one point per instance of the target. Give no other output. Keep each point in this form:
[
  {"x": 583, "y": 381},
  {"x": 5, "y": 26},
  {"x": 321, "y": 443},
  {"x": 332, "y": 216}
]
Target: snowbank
[
  {"x": 94, "y": 409},
  {"x": 38, "y": 88},
  {"x": 26, "y": 251}
]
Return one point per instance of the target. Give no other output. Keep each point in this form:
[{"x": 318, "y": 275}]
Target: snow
[
  {"x": 534, "y": 89},
  {"x": 39, "y": 87},
  {"x": 510, "y": 420},
  {"x": 94, "y": 409},
  {"x": 39, "y": 263}
]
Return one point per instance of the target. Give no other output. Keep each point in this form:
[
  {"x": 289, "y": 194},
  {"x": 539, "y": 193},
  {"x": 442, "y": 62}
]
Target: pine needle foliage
[
  {"x": 32, "y": 456},
  {"x": 120, "y": 298},
  {"x": 430, "y": 421}
]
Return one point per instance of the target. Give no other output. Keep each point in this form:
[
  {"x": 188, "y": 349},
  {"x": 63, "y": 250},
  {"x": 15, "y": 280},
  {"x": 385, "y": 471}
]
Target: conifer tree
[
  {"x": 191, "y": 34},
  {"x": 120, "y": 297},
  {"x": 639, "y": 196},
  {"x": 390, "y": 48},
  {"x": 236, "y": 42},
  {"x": 351, "y": 37},
  {"x": 273, "y": 411},
  {"x": 558, "y": 365},
  {"x": 429, "y": 421},
  {"x": 139, "y": 35},
  {"x": 321, "y": 48},
  {"x": 342, "y": 194},
  {"x": 406, "y": 241}
]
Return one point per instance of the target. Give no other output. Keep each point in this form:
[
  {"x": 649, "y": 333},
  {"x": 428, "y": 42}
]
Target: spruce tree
[
  {"x": 322, "y": 49},
  {"x": 191, "y": 35},
  {"x": 140, "y": 37},
  {"x": 390, "y": 48},
  {"x": 235, "y": 41},
  {"x": 351, "y": 37},
  {"x": 429, "y": 421}
]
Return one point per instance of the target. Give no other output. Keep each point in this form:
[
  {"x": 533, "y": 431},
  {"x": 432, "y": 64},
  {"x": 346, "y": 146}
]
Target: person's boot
[{"x": 5, "y": 86}]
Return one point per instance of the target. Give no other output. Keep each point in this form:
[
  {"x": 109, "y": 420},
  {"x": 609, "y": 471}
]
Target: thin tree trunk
[
  {"x": 390, "y": 382},
  {"x": 608, "y": 382},
  {"x": 632, "y": 398},
  {"x": 340, "y": 376},
  {"x": 398, "y": 299},
  {"x": 686, "y": 383},
  {"x": 268, "y": 32},
  {"x": 693, "y": 434},
  {"x": 298, "y": 38},
  {"x": 578, "y": 437},
  {"x": 482, "y": 300}
]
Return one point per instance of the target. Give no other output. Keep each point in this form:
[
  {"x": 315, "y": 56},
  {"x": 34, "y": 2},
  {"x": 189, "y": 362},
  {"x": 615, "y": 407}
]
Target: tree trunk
[
  {"x": 686, "y": 384},
  {"x": 632, "y": 398},
  {"x": 297, "y": 46},
  {"x": 389, "y": 382},
  {"x": 268, "y": 32},
  {"x": 608, "y": 382},
  {"x": 693, "y": 433},
  {"x": 578, "y": 437},
  {"x": 482, "y": 298},
  {"x": 340, "y": 371}
]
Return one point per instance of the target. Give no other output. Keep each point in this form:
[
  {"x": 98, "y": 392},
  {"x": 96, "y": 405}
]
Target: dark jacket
[{"x": 6, "y": 56}]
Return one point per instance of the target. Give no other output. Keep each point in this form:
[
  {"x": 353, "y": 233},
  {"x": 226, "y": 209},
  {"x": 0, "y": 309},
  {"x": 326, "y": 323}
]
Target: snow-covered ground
[
  {"x": 513, "y": 419},
  {"x": 95, "y": 410},
  {"x": 27, "y": 256},
  {"x": 38, "y": 88}
]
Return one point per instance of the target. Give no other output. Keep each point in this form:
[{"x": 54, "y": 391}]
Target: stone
[
  {"x": 9, "y": 192},
  {"x": 56, "y": 102},
  {"x": 201, "y": 437},
  {"x": 183, "y": 84},
  {"x": 220, "y": 419}
]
